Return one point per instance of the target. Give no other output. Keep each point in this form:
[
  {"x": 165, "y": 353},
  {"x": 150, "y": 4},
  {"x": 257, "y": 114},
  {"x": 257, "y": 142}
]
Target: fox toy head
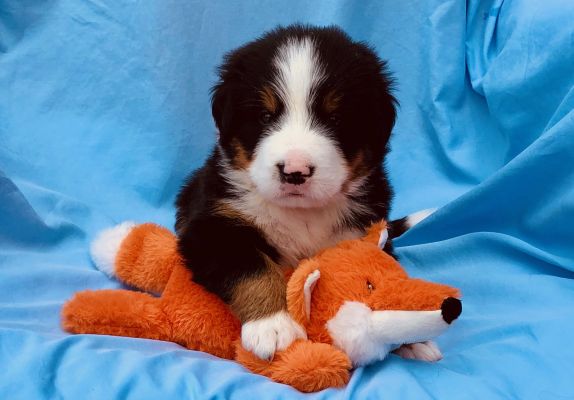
[{"x": 358, "y": 298}]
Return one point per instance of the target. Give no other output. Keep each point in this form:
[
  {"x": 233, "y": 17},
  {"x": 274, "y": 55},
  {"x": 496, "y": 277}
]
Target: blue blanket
[{"x": 104, "y": 108}]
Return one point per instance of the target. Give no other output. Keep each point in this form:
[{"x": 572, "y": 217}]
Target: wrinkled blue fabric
[{"x": 104, "y": 108}]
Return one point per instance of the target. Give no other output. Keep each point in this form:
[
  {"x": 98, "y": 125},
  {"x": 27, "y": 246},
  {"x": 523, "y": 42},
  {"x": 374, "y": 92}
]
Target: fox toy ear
[
  {"x": 383, "y": 238},
  {"x": 308, "y": 287},
  {"x": 300, "y": 288},
  {"x": 378, "y": 234}
]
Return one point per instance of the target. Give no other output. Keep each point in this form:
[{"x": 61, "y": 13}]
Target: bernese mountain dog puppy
[{"x": 304, "y": 116}]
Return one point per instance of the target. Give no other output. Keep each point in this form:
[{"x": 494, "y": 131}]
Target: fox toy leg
[
  {"x": 116, "y": 312},
  {"x": 305, "y": 365},
  {"x": 142, "y": 256},
  {"x": 146, "y": 257},
  {"x": 200, "y": 319},
  {"x": 186, "y": 314}
]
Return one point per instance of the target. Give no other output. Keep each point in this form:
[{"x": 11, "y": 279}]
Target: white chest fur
[
  {"x": 297, "y": 233},
  {"x": 301, "y": 233}
]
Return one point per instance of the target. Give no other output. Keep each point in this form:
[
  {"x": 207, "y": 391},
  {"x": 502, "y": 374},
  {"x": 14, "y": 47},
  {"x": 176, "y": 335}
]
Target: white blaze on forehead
[{"x": 299, "y": 73}]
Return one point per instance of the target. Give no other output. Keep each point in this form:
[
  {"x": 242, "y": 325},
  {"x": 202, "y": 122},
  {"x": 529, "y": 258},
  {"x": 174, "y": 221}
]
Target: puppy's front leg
[
  {"x": 233, "y": 260},
  {"x": 260, "y": 303}
]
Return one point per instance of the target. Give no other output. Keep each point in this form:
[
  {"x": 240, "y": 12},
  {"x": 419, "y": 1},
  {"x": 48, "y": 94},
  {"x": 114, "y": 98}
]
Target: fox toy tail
[
  {"x": 146, "y": 257},
  {"x": 142, "y": 256}
]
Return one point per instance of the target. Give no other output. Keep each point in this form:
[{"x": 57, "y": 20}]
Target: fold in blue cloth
[{"x": 104, "y": 108}]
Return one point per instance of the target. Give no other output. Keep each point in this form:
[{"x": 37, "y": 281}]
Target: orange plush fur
[{"x": 187, "y": 314}]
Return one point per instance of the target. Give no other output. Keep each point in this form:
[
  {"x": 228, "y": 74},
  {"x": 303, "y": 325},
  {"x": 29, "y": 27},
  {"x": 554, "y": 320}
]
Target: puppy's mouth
[
  {"x": 289, "y": 190},
  {"x": 299, "y": 196},
  {"x": 292, "y": 195}
]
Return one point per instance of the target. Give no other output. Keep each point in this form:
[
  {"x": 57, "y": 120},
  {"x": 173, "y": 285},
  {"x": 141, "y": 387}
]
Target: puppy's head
[{"x": 304, "y": 114}]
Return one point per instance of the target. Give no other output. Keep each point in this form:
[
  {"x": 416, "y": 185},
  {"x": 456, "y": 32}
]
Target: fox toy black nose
[
  {"x": 295, "y": 176},
  {"x": 451, "y": 309}
]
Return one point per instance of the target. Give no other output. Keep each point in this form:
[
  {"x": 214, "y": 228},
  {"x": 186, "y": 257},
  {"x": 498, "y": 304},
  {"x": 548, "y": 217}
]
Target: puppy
[{"x": 304, "y": 116}]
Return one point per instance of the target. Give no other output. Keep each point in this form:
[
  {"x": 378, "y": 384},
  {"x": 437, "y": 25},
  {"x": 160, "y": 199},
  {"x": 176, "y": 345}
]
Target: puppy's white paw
[
  {"x": 425, "y": 351},
  {"x": 266, "y": 335},
  {"x": 106, "y": 245}
]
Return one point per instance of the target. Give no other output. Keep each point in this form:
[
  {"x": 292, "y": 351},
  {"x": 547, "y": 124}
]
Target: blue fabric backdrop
[{"x": 104, "y": 108}]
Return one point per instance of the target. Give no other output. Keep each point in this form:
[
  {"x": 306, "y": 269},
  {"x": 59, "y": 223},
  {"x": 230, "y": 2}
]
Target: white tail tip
[
  {"x": 106, "y": 245},
  {"x": 417, "y": 217}
]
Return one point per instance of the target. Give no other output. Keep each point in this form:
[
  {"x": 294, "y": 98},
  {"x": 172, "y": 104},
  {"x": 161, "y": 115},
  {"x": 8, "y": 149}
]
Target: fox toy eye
[{"x": 370, "y": 286}]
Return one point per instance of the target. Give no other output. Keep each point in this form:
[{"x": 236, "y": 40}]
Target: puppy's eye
[
  {"x": 265, "y": 117},
  {"x": 334, "y": 119},
  {"x": 370, "y": 286}
]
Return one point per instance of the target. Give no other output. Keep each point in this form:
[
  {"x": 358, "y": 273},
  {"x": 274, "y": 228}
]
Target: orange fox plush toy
[{"x": 355, "y": 301}]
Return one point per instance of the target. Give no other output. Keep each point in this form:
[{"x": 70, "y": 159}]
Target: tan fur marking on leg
[{"x": 260, "y": 296}]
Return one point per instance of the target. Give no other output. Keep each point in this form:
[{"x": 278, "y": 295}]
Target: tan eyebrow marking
[
  {"x": 268, "y": 99},
  {"x": 331, "y": 101}
]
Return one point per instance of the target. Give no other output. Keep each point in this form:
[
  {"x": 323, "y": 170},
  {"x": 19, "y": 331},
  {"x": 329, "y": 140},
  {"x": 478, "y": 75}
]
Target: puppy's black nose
[
  {"x": 295, "y": 177},
  {"x": 451, "y": 309}
]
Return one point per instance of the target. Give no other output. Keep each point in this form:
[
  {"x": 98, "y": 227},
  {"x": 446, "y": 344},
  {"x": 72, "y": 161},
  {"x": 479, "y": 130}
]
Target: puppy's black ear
[
  {"x": 220, "y": 106},
  {"x": 388, "y": 114},
  {"x": 383, "y": 84},
  {"x": 226, "y": 91},
  {"x": 387, "y": 101}
]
